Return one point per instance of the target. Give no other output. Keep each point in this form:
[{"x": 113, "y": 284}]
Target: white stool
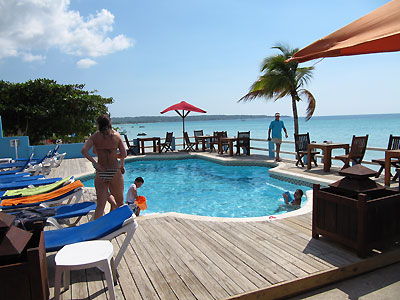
[{"x": 85, "y": 255}]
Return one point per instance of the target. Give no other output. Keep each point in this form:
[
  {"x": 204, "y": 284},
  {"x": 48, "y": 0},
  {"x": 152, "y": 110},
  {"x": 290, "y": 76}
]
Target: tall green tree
[
  {"x": 281, "y": 79},
  {"x": 43, "y": 109}
]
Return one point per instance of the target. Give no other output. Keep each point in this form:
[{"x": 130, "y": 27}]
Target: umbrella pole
[
  {"x": 183, "y": 126},
  {"x": 183, "y": 123}
]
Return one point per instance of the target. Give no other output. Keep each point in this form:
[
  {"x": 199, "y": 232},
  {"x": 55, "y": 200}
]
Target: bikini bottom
[{"x": 107, "y": 175}]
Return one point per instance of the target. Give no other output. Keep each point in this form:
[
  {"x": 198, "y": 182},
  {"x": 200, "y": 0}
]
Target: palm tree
[{"x": 281, "y": 79}]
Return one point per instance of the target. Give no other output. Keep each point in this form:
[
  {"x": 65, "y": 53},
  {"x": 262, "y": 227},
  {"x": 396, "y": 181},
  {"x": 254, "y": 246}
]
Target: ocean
[{"x": 338, "y": 129}]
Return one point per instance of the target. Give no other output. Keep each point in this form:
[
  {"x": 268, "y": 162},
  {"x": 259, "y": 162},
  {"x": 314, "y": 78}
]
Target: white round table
[{"x": 85, "y": 255}]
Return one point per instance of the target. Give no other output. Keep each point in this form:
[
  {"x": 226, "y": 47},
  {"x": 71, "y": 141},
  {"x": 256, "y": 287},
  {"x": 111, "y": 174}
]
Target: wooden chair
[
  {"x": 243, "y": 141},
  {"x": 167, "y": 145},
  {"x": 132, "y": 149},
  {"x": 189, "y": 145},
  {"x": 357, "y": 151},
  {"x": 301, "y": 142},
  {"x": 215, "y": 138},
  {"x": 394, "y": 144},
  {"x": 197, "y": 133}
]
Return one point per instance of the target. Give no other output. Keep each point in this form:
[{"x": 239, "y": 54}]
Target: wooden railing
[{"x": 179, "y": 144}]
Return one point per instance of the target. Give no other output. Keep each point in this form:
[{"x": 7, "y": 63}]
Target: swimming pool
[{"x": 201, "y": 187}]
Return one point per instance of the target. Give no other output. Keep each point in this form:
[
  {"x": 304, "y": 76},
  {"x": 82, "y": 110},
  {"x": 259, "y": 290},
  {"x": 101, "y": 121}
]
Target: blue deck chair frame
[
  {"x": 25, "y": 183},
  {"x": 18, "y": 177},
  {"x": 120, "y": 220},
  {"x": 20, "y": 169}
]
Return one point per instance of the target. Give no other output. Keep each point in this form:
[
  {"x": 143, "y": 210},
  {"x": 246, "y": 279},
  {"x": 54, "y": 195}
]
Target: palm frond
[
  {"x": 311, "y": 103},
  {"x": 303, "y": 75}
]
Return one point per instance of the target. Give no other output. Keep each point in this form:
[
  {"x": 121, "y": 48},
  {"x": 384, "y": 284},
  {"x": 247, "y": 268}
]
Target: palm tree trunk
[{"x": 295, "y": 116}]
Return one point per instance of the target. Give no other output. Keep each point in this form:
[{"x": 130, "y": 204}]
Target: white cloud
[
  {"x": 86, "y": 63},
  {"x": 30, "y": 57},
  {"x": 28, "y": 26}
]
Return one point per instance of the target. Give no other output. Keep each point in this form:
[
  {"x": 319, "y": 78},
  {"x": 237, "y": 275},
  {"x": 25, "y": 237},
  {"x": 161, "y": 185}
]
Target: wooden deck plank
[
  {"x": 96, "y": 287},
  {"x": 215, "y": 254},
  {"x": 282, "y": 250},
  {"x": 219, "y": 245},
  {"x": 203, "y": 276},
  {"x": 78, "y": 285},
  {"x": 294, "y": 241},
  {"x": 138, "y": 274},
  {"x": 190, "y": 280},
  {"x": 126, "y": 279},
  {"x": 290, "y": 247},
  {"x": 156, "y": 277},
  {"x": 333, "y": 255},
  {"x": 300, "y": 222},
  {"x": 189, "y": 243},
  {"x": 172, "y": 278},
  {"x": 287, "y": 262},
  {"x": 257, "y": 259},
  {"x": 295, "y": 226}
]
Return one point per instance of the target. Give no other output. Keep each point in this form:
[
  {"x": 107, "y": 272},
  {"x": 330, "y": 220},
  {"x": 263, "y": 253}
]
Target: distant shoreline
[
  {"x": 158, "y": 119},
  {"x": 201, "y": 117}
]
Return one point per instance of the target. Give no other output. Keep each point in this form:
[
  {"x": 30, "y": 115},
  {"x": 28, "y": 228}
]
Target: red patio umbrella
[
  {"x": 186, "y": 109},
  {"x": 378, "y": 31}
]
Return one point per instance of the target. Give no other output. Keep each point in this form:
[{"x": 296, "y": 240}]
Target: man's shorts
[{"x": 276, "y": 141}]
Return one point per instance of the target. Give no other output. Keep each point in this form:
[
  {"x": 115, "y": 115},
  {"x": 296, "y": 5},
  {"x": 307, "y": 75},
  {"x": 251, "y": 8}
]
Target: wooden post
[
  {"x": 316, "y": 188},
  {"x": 361, "y": 225}
]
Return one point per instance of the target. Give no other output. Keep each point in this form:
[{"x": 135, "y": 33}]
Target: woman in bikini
[{"x": 109, "y": 180}]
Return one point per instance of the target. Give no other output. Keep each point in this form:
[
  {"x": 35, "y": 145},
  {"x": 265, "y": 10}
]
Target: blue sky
[{"x": 148, "y": 55}]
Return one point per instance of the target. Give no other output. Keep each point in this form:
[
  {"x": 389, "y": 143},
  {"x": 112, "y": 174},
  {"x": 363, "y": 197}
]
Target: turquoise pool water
[{"x": 200, "y": 187}]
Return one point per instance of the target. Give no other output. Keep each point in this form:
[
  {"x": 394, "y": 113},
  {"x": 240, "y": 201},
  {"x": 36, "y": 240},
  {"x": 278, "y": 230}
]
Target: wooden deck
[{"x": 181, "y": 258}]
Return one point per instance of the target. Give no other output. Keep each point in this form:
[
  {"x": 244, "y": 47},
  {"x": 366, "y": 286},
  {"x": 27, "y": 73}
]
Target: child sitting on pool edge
[
  {"x": 290, "y": 203},
  {"x": 132, "y": 196}
]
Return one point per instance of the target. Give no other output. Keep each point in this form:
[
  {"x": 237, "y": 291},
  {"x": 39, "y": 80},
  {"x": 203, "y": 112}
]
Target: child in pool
[
  {"x": 131, "y": 195},
  {"x": 291, "y": 203}
]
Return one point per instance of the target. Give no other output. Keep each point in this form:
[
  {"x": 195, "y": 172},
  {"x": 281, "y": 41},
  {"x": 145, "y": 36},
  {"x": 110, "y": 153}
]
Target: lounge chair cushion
[
  {"x": 73, "y": 210},
  {"x": 56, "y": 239}
]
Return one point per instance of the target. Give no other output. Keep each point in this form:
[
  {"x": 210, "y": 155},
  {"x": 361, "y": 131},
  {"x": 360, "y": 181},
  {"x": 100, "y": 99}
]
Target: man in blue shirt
[{"x": 276, "y": 127}]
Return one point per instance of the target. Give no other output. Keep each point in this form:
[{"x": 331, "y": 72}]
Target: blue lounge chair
[
  {"x": 120, "y": 220},
  {"x": 51, "y": 153},
  {"x": 18, "y": 169},
  {"x": 62, "y": 212},
  {"x": 17, "y": 164},
  {"x": 34, "y": 180},
  {"x": 18, "y": 177}
]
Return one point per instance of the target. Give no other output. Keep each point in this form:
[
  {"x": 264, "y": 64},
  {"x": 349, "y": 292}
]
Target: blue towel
[{"x": 290, "y": 197}]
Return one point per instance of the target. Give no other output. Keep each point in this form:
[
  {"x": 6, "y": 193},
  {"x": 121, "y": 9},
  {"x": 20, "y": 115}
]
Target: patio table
[
  {"x": 327, "y": 149},
  {"x": 389, "y": 154},
  {"x": 230, "y": 141},
  {"x": 203, "y": 139},
  {"x": 156, "y": 143}
]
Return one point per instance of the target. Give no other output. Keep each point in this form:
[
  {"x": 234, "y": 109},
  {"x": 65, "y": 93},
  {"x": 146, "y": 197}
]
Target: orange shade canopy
[{"x": 378, "y": 31}]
